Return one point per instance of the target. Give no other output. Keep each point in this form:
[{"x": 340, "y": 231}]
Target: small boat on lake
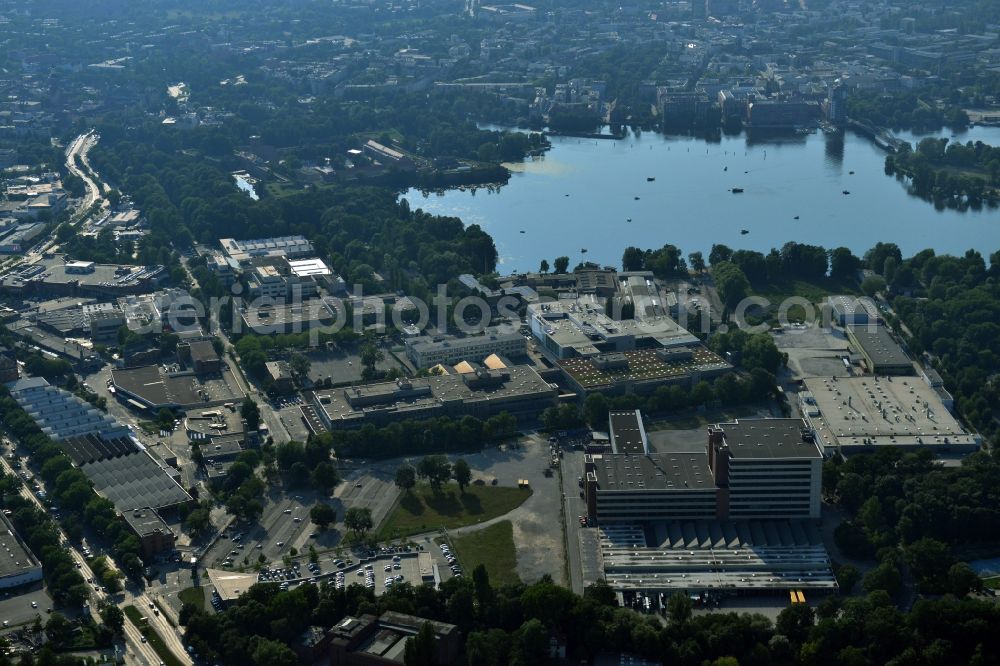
[{"x": 737, "y": 190}]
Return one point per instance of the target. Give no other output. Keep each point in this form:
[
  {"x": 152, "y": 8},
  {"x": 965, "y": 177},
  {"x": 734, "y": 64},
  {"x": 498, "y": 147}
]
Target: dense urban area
[{"x": 258, "y": 407}]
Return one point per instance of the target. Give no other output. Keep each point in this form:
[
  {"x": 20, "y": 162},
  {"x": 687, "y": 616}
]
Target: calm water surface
[{"x": 594, "y": 195}]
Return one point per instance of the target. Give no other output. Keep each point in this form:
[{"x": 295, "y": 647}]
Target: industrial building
[
  {"x": 627, "y": 433},
  {"x": 427, "y": 351},
  {"x": 580, "y": 327},
  {"x": 18, "y": 565},
  {"x": 518, "y": 390},
  {"x": 60, "y": 414},
  {"x": 125, "y": 474},
  {"x": 284, "y": 246},
  {"x": 720, "y": 557},
  {"x": 851, "y": 310},
  {"x": 278, "y": 317},
  {"x": 855, "y": 414},
  {"x": 881, "y": 353},
  {"x": 756, "y": 468},
  {"x": 200, "y": 356},
  {"x": 52, "y": 275},
  {"x": 642, "y": 371},
  {"x": 371, "y": 641},
  {"x": 150, "y": 387}
]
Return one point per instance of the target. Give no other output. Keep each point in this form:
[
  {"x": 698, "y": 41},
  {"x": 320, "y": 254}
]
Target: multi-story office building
[{"x": 757, "y": 468}]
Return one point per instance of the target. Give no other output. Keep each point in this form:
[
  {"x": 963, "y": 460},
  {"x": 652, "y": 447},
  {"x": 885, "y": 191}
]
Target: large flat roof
[
  {"x": 627, "y": 433},
  {"x": 155, "y": 387},
  {"x": 658, "y": 471},
  {"x": 768, "y": 438},
  {"x": 642, "y": 365},
  {"x": 15, "y": 558},
  {"x": 877, "y": 343},
  {"x": 718, "y": 555},
  {"x": 431, "y": 392},
  {"x": 896, "y": 411},
  {"x": 145, "y": 521}
]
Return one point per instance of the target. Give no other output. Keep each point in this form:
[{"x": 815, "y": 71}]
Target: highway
[{"x": 80, "y": 146}]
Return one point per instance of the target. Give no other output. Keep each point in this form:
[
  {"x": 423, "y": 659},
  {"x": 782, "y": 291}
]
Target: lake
[{"x": 594, "y": 195}]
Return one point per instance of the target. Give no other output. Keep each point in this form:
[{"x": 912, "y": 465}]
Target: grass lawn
[
  {"x": 814, "y": 292},
  {"x": 152, "y": 637},
  {"x": 993, "y": 582},
  {"x": 493, "y": 547},
  {"x": 423, "y": 510},
  {"x": 194, "y": 596}
]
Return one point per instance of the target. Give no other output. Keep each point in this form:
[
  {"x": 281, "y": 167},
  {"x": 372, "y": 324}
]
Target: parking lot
[
  {"x": 342, "y": 366},
  {"x": 17, "y": 609},
  {"x": 813, "y": 351}
]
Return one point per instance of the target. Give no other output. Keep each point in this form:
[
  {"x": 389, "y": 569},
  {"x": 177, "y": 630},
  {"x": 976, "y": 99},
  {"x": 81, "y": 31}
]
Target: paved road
[
  {"x": 79, "y": 148},
  {"x": 133, "y": 639}
]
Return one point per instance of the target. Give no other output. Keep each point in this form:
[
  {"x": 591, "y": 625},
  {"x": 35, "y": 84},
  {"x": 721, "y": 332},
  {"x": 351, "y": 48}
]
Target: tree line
[
  {"x": 514, "y": 624},
  {"x": 70, "y": 489}
]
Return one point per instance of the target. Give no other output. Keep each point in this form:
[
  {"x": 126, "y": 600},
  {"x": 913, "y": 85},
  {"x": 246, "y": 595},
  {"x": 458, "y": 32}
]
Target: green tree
[
  {"x": 421, "y": 650},
  {"x": 679, "y": 608},
  {"x": 325, "y": 476},
  {"x": 358, "y": 520},
  {"x": 633, "y": 259},
  {"x": 462, "y": 474},
  {"x": 795, "y": 621},
  {"x": 322, "y": 515},
  {"x": 697, "y": 262},
  {"x": 406, "y": 477},
  {"x": 872, "y": 285},
  {"x": 595, "y": 410},
  {"x": 436, "y": 469},
  {"x": 250, "y": 413},
  {"x": 561, "y": 264},
  {"x": 544, "y": 266},
  {"x": 113, "y": 617},
  {"x": 371, "y": 356},
  {"x": 299, "y": 365}
]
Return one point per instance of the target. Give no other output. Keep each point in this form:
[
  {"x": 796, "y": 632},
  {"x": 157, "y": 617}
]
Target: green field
[
  {"x": 152, "y": 637},
  {"x": 993, "y": 582},
  {"x": 812, "y": 291},
  {"x": 493, "y": 547},
  {"x": 194, "y": 596},
  {"x": 423, "y": 510}
]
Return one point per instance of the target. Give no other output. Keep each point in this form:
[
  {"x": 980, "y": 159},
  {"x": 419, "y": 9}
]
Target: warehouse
[
  {"x": 881, "y": 353},
  {"x": 853, "y": 414},
  {"x": 715, "y": 557},
  {"x": 18, "y": 565}
]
